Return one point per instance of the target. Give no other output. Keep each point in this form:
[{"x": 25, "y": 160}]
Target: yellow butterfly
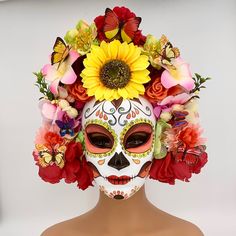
[
  {"x": 60, "y": 51},
  {"x": 168, "y": 52},
  {"x": 48, "y": 157}
]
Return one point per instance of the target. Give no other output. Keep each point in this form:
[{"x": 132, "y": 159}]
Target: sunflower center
[{"x": 115, "y": 74}]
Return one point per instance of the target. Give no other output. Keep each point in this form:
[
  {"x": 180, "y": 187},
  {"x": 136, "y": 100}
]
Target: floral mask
[
  {"x": 119, "y": 140},
  {"x": 118, "y": 107}
]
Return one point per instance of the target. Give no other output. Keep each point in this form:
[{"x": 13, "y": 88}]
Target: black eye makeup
[
  {"x": 136, "y": 139},
  {"x": 100, "y": 140}
]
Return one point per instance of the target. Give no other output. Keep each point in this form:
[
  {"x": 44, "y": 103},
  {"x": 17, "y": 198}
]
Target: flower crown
[{"x": 111, "y": 59}]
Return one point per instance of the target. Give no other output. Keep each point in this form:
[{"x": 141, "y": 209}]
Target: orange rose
[
  {"x": 78, "y": 92},
  {"x": 156, "y": 91}
]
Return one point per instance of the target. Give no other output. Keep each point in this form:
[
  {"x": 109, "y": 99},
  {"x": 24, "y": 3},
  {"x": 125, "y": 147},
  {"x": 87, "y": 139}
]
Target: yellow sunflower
[{"x": 113, "y": 70}]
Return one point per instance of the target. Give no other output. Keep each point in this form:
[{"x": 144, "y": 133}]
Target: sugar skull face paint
[{"x": 119, "y": 139}]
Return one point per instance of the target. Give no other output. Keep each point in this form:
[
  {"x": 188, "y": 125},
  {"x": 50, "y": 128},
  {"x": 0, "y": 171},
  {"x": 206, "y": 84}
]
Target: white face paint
[{"x": 119, "y": 140}]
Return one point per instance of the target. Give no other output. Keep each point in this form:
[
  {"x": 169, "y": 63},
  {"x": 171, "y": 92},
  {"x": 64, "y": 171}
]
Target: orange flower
[
  {"x": 78, "y": 92},
  {"x": 156, "y": 91},
  {"x": 190, "y": 136},
  {"x": 52, "y": 139}
]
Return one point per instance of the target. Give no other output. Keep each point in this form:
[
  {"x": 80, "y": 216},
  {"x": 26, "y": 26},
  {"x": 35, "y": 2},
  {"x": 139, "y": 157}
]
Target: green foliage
[
  {"x": 199, "y": 81},
  {"x": 43, "y": 86}
]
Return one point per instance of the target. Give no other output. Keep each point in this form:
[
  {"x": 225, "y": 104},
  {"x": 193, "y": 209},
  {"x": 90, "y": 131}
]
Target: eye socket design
[
  {"x": 100, "y": 139},
  {"x": 137, "y": 138}
]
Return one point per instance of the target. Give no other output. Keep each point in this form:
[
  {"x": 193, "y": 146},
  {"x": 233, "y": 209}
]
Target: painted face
[{"x": 119, "y": 140}]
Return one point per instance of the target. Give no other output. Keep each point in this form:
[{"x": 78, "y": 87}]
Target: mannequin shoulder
[
  {"x": 66, "y": 228},
  {"x": 172, "y": 225},
  {"x": 182, "y": 227},
  {"x": 186, "y": 228}
]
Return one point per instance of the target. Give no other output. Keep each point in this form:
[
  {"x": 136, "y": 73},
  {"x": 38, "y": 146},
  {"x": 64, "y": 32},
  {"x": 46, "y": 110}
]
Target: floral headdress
[{"x": 111, "y": 59}]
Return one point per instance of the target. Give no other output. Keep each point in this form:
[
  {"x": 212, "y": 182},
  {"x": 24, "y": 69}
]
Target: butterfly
[
  {"x": 66, "y": 127},
  {"x": 190, "y": 156},
  {"x": 179, "y": 119},
  {"x": 113, "y": 27},
  {"x": 60, "y": 52},
  {"x": 168, "y": 52},
  {"x": 48, "y": 156}
]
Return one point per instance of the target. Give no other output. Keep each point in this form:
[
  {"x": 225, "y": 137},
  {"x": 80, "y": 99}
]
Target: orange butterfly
[
  {"x": 113, "y": 27},
  {"x": 60, "y": 51}
]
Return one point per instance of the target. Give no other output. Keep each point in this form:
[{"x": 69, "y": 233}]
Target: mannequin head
[{"x": 119, "y": 140}]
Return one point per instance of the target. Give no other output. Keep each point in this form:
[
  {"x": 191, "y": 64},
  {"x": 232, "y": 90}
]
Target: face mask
[{"x": 119, "y": 142}]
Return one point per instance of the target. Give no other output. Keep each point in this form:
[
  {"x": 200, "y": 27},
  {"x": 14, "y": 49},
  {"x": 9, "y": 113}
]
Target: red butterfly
[
  {"x": 189, "y": 155},
  {"x": 114, "y": 27}
]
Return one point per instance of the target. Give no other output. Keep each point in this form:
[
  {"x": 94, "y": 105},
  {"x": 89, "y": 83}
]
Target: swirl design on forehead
[
  {"x": 87, "y": 112},
  {"x": 111, "y": 111},
  {"x": 123, "y": 110}
]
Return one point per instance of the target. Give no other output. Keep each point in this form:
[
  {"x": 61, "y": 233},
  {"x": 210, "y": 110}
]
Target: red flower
[
  {"x": 52, "y": 139},
  {"x": 85, "y": 175},
  {"x": 73, "y": 154},
  {"x": 180, "y": 167},
  {"x": 51, "y": 173},
  {"x": 123, "y": 15},
  {"x": 76, "y": 168},
  {"x": 190, "y": 136},
  {"x": 160, "y": 170}
]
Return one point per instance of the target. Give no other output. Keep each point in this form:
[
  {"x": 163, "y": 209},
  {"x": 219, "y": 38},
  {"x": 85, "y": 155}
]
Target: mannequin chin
[{"x": 119, "y": 143}]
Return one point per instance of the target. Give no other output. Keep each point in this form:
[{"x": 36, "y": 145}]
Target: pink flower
[
  {"x": 167, "y": 103},
  {"x": 180, "y": 75},
  {"x": 50, "y": 112},
  {"x": 42, "y": 131},
  {"x": 64, "y": 73}
]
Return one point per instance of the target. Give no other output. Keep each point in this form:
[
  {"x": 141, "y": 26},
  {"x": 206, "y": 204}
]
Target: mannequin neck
[{"x": 127, "y": 212}]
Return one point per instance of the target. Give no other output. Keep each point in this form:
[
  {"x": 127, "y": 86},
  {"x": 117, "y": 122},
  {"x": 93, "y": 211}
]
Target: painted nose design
[{"x": 118, "y": 161}]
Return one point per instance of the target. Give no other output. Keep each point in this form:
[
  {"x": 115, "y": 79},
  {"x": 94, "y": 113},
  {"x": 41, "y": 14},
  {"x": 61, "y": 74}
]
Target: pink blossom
[
  {"x": 50, "y": 112},
  {"x": 180, "y": 75},
  {"x": 167, "y": 103},
  {"x": 64, "y": 73}
]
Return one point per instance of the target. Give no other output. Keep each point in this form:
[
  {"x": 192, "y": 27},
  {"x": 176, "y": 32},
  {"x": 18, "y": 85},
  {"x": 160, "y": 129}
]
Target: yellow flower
[{"x": 114, "y": 70}]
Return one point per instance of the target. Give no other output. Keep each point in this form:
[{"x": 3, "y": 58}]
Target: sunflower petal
[
  {"x": 140, "y": 64},
  {"x": 133, "y": 93},
  {"x": 113, "y": 49},
  {"x": 140, "y": 77},
  {"x": 99, "y": 93},
  {"x": 123, "y": 51},
  {"x": 108, "y": 94},
  {"x": 123, "y": 93},
  {"x": 133, "y": 55},
  {"x": 139, "y": 87}
]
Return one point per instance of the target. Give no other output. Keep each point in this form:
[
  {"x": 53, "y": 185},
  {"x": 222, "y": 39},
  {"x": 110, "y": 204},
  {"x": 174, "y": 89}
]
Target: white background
[{"x": 205, "y": 32}]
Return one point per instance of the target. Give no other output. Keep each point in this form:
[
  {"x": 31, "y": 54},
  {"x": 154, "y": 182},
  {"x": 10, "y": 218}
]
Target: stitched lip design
[
  {"x": 119, "y": 180},
  {"x": 124, "y": 179}
]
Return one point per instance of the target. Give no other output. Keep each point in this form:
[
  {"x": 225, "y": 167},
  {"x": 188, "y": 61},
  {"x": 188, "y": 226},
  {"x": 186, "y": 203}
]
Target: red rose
[
  {"x": 51, "y": 174},
  {"x": 73, "y": 153},
  {"x": 74, "y": 150},
  {"x": 71, "y": 171},
  {"x": 85, "y": 175},
  {"x": 160, "y": 170}
]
